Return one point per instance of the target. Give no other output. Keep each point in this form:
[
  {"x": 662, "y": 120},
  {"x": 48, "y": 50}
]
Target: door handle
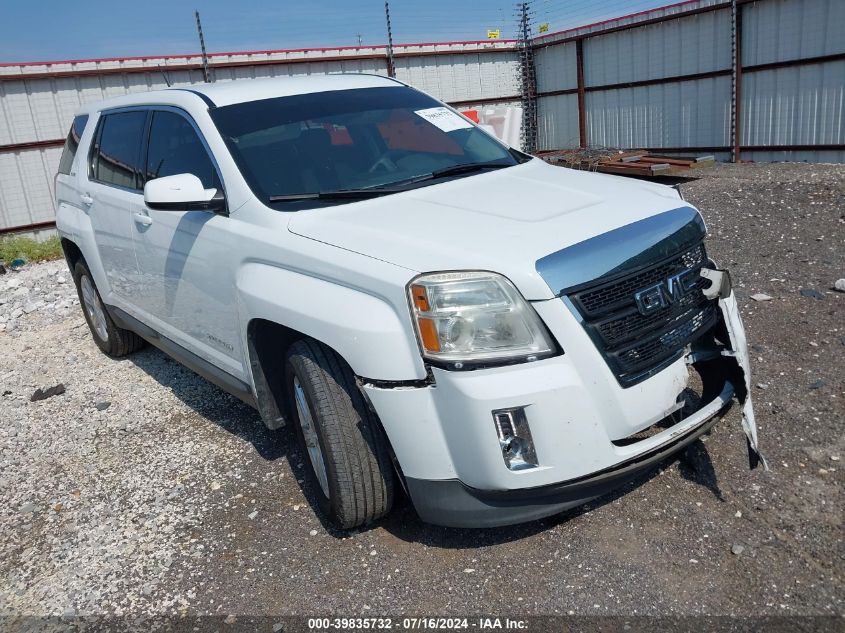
[
  {"x": 142, "y": 218},
  {"x": 86, "y": 199}
]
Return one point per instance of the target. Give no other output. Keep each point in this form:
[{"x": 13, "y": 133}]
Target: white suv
[{"x": 429, "y": 308}]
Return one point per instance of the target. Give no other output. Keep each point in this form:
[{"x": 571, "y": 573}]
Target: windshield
[{"x": 323, "y": 148}]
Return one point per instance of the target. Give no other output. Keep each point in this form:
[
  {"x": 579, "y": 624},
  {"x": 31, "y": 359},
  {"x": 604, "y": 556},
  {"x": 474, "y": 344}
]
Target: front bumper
[
  {"x": 454, "y": 504},
  {"x": 581, "y": 420}
]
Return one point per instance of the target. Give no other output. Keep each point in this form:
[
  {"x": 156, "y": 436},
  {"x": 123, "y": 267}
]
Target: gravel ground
[{"x": 142, "y": 489}]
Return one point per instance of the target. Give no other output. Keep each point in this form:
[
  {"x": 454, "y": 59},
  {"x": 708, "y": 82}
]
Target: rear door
[
  {"x": 113, "y": 192},
  {"x": 187, "y": 259}
]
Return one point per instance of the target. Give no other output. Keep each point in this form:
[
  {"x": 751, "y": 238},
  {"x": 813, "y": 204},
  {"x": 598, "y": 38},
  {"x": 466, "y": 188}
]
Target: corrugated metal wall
[
  {"x": 660, "y": 79},
  {"x": 666, "y": 83},
  {"x": 794, "y": 105},
  {"x": 37, "y": 101}
]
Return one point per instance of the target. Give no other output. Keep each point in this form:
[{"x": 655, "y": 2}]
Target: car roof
[{"x": 229, "y": 92}]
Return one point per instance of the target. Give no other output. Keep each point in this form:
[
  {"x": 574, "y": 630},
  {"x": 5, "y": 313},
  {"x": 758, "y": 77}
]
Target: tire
[
  {"x": 346, "y": 437},
  {"x": 111, "y": 339}
]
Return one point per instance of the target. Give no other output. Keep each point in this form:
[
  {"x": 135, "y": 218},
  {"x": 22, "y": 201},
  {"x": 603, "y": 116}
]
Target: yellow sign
[
  {"x": 544, "y": 27},
  {"x": 494, "y": 35}
]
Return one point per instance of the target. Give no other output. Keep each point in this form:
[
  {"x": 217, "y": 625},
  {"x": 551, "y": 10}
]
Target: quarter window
[
  {"x": 175, "y": 148},
  {"x": 117, "y": 156},
  {"x": 72, "y": 143}
]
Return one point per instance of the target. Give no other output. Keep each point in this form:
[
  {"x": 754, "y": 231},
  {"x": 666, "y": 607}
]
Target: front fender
[{"x": 366, "y": 330}]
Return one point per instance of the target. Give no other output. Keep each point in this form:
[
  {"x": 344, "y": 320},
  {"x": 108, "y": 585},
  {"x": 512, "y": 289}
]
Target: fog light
[{"x": 515, "y": 438}]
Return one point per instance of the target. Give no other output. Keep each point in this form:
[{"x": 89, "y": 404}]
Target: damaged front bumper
[
  {"x": 736, "y": 347},
  {"x": 590, "y": 435}
]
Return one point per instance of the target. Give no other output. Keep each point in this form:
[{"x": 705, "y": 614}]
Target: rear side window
[
  {"x": 175, "y": 148},
  {"x": 116, "y": 159},
  {"x": 72, "y": 143}
]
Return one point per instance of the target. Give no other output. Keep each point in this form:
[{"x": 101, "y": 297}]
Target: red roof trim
[
  {"x": 97, "y": 60},
  {"x": 542, "y": 38},
  {"x": 621, "y": 17}
]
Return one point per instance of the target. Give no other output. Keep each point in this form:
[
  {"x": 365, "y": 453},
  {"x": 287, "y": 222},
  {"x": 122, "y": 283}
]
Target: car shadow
[
  {"x": 244, "y": 422},
  {"x": 212, "y": 403},
  {"x": 696, "y": 466}
]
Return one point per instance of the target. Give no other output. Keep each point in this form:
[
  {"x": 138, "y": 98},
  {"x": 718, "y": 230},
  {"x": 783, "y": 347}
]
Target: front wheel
[{"x": 348, "y": 463}]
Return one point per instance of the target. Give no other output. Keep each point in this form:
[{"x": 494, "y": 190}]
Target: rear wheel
[
  {"x": 345, "y": 451},
  {"x": 111, "y": 339}
]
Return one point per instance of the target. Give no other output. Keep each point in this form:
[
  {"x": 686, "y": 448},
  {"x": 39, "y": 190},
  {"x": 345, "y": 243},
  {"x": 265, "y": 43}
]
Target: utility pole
[
  {"x": 736, "y": 81},
  {"x": 359, "y": 40},
  {"x": 527, "y": 78},
  {"x": 391, "y": 68},
  {"x": 205, "y": 73}
]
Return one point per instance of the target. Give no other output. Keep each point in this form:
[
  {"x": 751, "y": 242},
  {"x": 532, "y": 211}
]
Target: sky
[{"x": 42, "y": 30}]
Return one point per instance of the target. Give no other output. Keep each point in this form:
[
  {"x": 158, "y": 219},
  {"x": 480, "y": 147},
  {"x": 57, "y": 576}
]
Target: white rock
[
  {"x": 761, "y": 297},
  {"x": 840, "y": 285}
]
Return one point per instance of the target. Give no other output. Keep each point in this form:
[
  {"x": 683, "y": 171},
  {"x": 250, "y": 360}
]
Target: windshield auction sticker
[{"x": 444, "y": 118}]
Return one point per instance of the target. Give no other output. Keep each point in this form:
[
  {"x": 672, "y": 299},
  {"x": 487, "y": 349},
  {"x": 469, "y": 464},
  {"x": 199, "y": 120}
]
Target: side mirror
[{"x": 182, "y": 192}]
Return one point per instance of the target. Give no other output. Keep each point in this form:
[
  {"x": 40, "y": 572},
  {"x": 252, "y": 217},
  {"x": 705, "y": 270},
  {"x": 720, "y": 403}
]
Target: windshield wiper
[
  {"x": 339, "y": 194},
  {"x": 383, "y": 190},
  {"x": 454, "y": 170},
  {"x": 465, "y": 168}
]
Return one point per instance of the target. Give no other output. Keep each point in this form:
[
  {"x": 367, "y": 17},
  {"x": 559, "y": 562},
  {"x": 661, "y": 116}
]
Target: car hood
[{"x": 502, "y": 221}]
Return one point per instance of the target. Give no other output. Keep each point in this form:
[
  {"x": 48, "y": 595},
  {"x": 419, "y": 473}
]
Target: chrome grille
[{"x": 637, "y": 345}]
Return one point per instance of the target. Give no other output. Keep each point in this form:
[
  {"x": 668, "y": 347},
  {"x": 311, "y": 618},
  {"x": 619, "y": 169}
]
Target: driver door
[{"x": 186, "y": 258}]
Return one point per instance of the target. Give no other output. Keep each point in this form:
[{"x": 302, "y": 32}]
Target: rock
[
  {"x": 28, "y": 507},
  {"x": 812, "y": 294},
  {"x": 313, "y": 532},
  {"x": 43, "y": 394},
  {"x": 738, "y": 514},
  {"x": 761, "y": 297},
  {"x": 762, "y": 385},
  {"x": 31, "y": 307},
  {"x": 61, "y": 280},
  {"x": 215, "y": 485},
  {"x": 102, "y": 406},
  {"x": 253, "y": 514},
  {"x": 834, "y": 458},
  {"x": 839, "y": 285},
  {"x": 818, "y": 384},
  {"x": 737, "y": 549},
  {"x": 230, "y": 619}
]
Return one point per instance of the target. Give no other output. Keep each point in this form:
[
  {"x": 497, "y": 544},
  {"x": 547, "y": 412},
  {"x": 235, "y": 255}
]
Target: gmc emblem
[{"x": 667, "y": 292}]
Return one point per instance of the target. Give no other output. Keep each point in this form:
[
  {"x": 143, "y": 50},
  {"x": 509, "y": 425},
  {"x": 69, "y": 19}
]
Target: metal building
[
  {"x": 749, "y": 79},
  {"x": 665, "y": 79},
  {"x": 37, "y": 100}
]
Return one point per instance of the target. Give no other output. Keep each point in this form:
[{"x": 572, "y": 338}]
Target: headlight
[{"x": 473, "y": 317}]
